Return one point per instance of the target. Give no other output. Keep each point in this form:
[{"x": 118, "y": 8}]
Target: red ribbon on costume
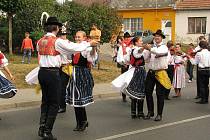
[
  {"x": 1, "y": 57},
  {"x": 176, "y": 66}
]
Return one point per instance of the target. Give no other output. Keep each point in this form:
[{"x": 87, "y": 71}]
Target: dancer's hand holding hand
[{"x": 148, "y": 47}]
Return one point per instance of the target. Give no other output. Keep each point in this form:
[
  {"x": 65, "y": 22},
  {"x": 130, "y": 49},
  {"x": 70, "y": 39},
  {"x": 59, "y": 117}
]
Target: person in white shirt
[
  {"x": 50, "y": 48},
  {"x": 170, "y": 70},
  {"x": 65, "y": 77},
  {"x": 157, "y": 76},
  {"x": 202, "y": 59},
  {"x": 198, "y": 49},
  {"x": 81, "y": 87}
]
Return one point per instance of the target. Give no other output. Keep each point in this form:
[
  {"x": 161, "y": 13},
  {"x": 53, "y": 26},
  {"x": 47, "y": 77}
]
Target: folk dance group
[
  {"x": 64, "y": 75},
  {"x": 166, "y": 70}
]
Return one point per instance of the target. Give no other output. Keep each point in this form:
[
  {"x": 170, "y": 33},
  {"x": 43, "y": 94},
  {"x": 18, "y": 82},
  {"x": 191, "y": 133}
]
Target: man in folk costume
[
  {"x": 157, "y": 75},
  {"x": 64, "y": 72},
  {"x": 196, "y": 50},
  {"x": 126, "y": 44},
  {"x": 50, "y": 49},
  {"x": 170, "y": 70},
  {"x": 202, "y": 59},
  {"x": 81, "y": 87}
]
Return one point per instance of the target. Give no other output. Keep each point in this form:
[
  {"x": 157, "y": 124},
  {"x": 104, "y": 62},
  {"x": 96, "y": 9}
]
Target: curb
[{"x": 25, "y": 104}]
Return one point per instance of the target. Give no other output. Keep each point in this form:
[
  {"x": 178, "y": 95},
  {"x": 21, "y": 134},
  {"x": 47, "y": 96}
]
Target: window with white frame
[
  {"x": 196, "y": 25},
  {"x": 133, "y": 24}
]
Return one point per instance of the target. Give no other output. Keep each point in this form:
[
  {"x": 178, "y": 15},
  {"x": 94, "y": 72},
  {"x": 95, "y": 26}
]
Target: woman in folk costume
[
  {"x": 50, "y": 49},
  {"x": 179, "y": 73},
  {"x": 7, "y": 89},
  {"x": 135, "y": 86},
  {"x": 81, "y": 86},
  {"x": 157, "y": 75}
]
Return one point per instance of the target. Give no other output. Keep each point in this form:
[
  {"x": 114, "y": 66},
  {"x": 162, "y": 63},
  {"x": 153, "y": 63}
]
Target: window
[
  {"x": 133, "y": 24},
  {"x": 197, "y": 25}
]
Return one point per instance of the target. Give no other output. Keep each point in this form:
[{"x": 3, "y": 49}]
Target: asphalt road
[{"x": 110, "y": 120}]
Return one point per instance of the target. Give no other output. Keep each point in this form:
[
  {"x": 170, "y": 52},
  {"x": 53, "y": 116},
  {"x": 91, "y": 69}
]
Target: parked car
[{"x": 146, "y": 35}]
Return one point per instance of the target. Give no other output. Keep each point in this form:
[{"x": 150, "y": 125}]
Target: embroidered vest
[
  {"x": 47, "y": 46},
  {"x": 136, "y": 61}
]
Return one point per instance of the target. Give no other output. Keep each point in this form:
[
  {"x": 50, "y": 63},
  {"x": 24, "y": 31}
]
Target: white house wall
[{"x": 181, "y": 29}]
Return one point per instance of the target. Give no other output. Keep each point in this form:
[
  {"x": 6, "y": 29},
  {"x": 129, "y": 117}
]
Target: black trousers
[
  {"x": 204, "y": 87},
  {"x": 150, "y": 83},
  {"x": 64, "y": 83},
  {"x": 80, "y": 114},
  {"x": 198, "y": 83},
  {"x": 170, "y": 72},
  {"x": 50, "y": 82},
  {"x": 136, "y": 105},
  {"x": 124, "y": 69},
  {"x": 190, "y": 69}
]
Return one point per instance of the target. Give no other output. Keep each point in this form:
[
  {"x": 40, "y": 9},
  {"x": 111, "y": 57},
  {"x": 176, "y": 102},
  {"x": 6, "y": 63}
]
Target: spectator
[
  {"x": 190, "y": 66},
  {"x": 27, "y": 47}
]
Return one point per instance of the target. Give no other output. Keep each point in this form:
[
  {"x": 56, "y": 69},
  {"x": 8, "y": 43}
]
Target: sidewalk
[{"x": 28, "y": 97}]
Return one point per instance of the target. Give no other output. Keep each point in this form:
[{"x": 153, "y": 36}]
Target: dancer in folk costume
[
  {"x": 202, "y": 59},
  {"x": 81, "y": 86},
  {"x": 170, "y": 70},
  {"x": 135, "y": 86},
  {"x": 50, "y": 49},
  {"x": 157, "y": 75},
  {"x": 126, "y": 44},
  {"x": 179, "y": 73},
  {"x": 65, "y": 72},
  {"x": 7, "y": 89},
  {"x": 196, "y": 50}
]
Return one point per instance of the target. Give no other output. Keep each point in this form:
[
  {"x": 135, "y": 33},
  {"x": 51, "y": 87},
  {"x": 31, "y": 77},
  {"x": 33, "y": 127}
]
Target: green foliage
[
  {"x": 79, "y": 17},
  {"x": 11, "y": 6},
  {"x": 28, "y": 20}
]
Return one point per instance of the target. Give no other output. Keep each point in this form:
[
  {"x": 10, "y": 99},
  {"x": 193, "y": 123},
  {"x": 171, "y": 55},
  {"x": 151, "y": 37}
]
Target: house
[
  {"x": 147, "y": 15},
  {"x": 192, "y": 20}
]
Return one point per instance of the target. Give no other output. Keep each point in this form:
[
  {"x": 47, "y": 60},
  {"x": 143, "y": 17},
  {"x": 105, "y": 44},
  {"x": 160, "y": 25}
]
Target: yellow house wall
[{"x": 152, "y": 18}]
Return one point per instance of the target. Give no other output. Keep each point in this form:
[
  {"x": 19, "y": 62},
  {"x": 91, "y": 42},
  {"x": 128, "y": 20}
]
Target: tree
[
  {"x": 31, "y": 24},
  {"x": 10, "y": 7}
]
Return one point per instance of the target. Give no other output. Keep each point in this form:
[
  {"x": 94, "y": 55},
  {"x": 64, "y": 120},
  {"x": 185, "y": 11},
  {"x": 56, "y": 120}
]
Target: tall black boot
[
  {"x": 124, "y": 97},
  {"x": 48, "y": 128},
  {"x": 140, "y": 106},
  {"x": 133, "y": 108},
  {"x": 78, "y": 118},
  {"x": 42, "y": 124},
  {"x": 84, "y": 122}
]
